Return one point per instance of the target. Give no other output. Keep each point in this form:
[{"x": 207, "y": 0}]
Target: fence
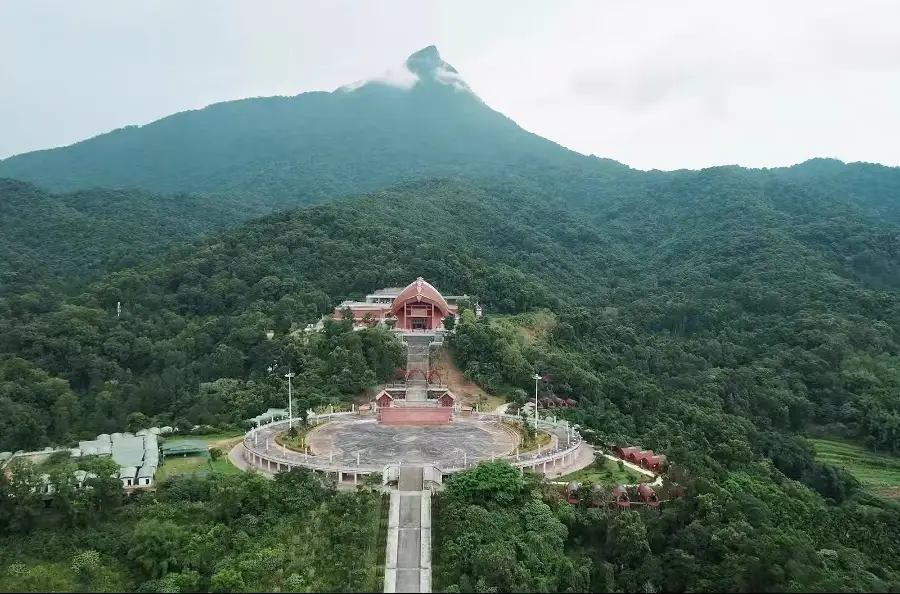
[{"x": 263, "y": 458}]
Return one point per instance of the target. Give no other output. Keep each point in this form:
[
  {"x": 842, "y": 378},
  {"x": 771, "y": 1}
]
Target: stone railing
[{"x": 567, "y": 443}]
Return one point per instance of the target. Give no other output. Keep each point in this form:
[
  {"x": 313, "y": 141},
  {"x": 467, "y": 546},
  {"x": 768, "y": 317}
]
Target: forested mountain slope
[
  {"x": 711, "y": 256},
  {"x": 222, "y": 165},
  {"x": 712, "y": 316},
  {"x": 219, "y": 166},
  {"x": 283, "y": 151},
  {"x": 68, "y": 239}
]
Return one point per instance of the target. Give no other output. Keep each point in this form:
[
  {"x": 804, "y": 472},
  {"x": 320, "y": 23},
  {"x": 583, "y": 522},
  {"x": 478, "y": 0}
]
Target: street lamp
[
  {"x": 536, "y": 379},
  {"x": 289, "y": 375}
]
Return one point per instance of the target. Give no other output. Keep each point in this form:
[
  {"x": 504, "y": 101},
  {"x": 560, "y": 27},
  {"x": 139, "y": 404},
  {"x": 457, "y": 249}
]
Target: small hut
[
  {"x": 620, "y": 497},
  {"x": 648, "y": 495}
]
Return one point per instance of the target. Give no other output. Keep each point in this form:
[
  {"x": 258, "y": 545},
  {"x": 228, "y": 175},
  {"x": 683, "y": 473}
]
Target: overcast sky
[{"x": 652, "y": 84}]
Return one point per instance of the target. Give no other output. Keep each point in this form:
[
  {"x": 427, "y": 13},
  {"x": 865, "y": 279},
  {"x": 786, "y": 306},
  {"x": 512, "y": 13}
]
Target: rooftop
[
  {"x": 388, "y": 292},
  {"x": 184, "y": 446}
]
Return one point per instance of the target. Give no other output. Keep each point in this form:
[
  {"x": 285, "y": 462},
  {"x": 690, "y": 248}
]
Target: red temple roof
[{"x": 420, "y": 290}]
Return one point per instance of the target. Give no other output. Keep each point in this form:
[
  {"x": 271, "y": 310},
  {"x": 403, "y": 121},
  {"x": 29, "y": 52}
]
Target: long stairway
[
  {"x": 417, "y": 348},
  {"x": 408, "y": 550}
]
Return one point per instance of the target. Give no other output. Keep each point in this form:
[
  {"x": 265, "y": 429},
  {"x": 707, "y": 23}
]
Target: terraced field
[{"x": 878, "y": 472}]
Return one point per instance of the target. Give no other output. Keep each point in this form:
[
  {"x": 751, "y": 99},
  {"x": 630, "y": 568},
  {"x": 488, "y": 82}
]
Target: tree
[
  {"x": 137, "y": 421},
  {"x": 488, "y": 482}
]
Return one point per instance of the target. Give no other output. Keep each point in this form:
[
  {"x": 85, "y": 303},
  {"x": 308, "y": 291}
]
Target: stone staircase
[{"x": 408, "y": 549}]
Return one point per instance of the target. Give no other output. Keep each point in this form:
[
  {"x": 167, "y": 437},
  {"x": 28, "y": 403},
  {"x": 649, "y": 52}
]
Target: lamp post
[
  {"x": 289, "y": 375},
  {"x": 536, "y": 379}
]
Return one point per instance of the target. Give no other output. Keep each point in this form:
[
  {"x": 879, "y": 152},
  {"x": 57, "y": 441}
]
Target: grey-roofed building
[
  {"x": 104, "y": 437},
  {"x": 269, "y": 416},
  {"x": 115, "y": 436},
  {"x": 80, "y": 477},
  {"x": 141, "y": 433},
  {"x": 154, "y": 430},
  {"x": 166, "y": 430},
  {"x": 75, "y": 452},
  {"x": 184, "y": 447},
  {"x": 97, "y": 447},
  {"x": 128, "y": 451},
  {"x": 145, "y": 475},
  {"x": 127, "y": 475}
]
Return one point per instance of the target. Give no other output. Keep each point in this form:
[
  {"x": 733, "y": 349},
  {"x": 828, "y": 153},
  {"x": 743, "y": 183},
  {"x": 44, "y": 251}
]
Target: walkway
[
  {"x": 417, "y": 349},
  {"x": 408, "y": 548},
  {"x": 658, "y": 480}
]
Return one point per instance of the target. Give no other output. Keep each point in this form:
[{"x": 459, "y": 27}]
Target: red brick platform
[{"x": 415, "y": 415}]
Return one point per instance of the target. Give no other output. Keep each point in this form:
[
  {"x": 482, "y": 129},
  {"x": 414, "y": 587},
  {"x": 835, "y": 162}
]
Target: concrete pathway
[
  {"x": 658, "y": 481},
  {"x": 408, "y": 549},
  {"x": 583, "y": 459}
]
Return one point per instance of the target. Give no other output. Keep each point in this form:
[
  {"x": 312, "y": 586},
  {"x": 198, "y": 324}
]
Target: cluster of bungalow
[
  {"x": 643, "y": 458},
  {"x": 618, "y": 497}
]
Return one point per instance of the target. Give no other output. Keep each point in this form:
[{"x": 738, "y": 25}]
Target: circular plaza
[
  {"x": 350, "y": 445},
  {"x": 445, "y": 446}
]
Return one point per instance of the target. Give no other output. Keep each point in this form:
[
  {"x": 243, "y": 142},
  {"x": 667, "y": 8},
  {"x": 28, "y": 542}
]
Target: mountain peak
[
  {"x": 424, "y": 66},
  {"x": 426, "y": 53},
  {"x": 427, "y": 65},
  {"x": 427, "y": 61}
]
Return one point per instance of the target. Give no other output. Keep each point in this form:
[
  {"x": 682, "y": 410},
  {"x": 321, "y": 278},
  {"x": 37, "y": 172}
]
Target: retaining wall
[{"x": 408, "y": 415}]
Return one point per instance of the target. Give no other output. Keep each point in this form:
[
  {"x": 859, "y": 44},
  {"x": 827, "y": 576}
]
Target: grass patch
[
  {"x": 529, "y": 440},
  {"x": 175, "y": 465},
  {"x": 878, "y": 472},
  {"x": 296, "y": 442},
  {"x": 184, "y": 464},
  {"x": 224, "y": 466},
  {"x": 605, "y": 472}
]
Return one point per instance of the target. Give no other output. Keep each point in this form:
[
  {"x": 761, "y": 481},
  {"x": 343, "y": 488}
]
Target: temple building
[{"x": 416, "y": 307}]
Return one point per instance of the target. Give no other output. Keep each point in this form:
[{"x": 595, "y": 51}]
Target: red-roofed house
[
  {"x": 623, "y": 452},
  {"x": 639, "y": 457},
  {"x": 648, "y": 495},
  {"x": 384, "y": 399},
  {"x": 446, "y": 399},
  {"x": 418, "y": 306},
  {"x": 620, "y": 497},
  {"x": 654, "y": 463}
]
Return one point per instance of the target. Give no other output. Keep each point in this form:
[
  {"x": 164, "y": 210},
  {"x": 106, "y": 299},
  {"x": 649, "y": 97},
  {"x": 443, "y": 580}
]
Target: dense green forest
[
  {"x": 240, "y": 533},
  {"x": 715, "y": 319},
  {"x": 66, "y": 240}
]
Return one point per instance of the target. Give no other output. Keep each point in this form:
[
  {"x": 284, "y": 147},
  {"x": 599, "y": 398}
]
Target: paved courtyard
[{"x": 444, "y": 445}]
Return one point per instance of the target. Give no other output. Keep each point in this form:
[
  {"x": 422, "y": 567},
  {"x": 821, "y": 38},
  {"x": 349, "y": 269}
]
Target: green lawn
[
  {"x": 879, "y": 472},
  {"x": 188, "y": 464},
  {"x": 606, "y": 472}
]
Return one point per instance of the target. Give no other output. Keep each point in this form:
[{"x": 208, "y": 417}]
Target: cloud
[
  {"x": 400, "y": 77},
  {"x": 706, "y": 62}
]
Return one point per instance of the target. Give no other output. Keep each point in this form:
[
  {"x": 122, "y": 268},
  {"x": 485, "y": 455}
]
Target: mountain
[
  {"x": 421, "y": 119},
  {"x": 168, "y": 181}
]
